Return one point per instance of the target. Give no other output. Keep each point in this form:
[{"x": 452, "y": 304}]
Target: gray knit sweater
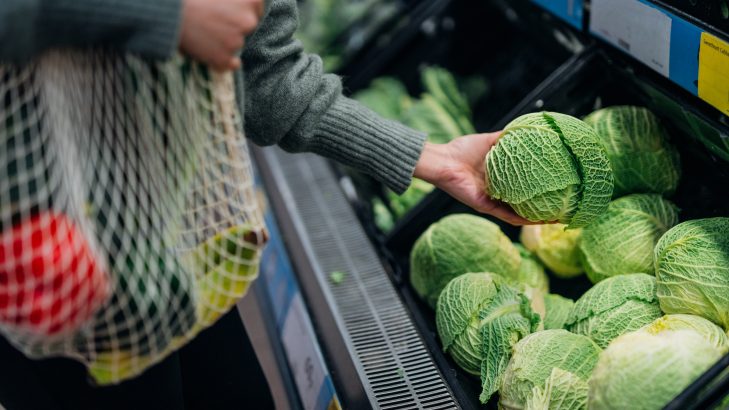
[{"x": 288, "y": 101}]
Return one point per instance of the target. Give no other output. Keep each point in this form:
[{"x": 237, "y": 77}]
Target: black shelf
[
  {"x": 593, "y": 80},
  {"x": 514, "y": 45},
  {"x": 711, "y": 14}
]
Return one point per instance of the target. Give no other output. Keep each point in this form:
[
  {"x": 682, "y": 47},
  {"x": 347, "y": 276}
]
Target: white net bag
[{"x": 129, "y": 218}]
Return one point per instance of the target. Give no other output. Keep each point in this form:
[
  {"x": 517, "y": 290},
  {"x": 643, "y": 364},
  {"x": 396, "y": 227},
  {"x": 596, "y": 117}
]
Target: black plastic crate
[
  {"x": 362, "y": 35},
  {"x": 396, "y": 34},
  {"x": 597, "y": 79},
  {"x": 514, "y": 46}
]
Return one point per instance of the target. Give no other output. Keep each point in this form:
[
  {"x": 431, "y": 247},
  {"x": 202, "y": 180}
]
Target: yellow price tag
[{"x": 714, "y": 72}]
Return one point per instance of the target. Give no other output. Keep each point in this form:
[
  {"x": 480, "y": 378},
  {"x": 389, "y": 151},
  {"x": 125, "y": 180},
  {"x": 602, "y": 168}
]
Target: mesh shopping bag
[{"x": 129, "y": 220}]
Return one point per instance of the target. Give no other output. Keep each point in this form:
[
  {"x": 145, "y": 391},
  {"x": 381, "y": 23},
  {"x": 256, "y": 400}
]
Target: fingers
[
  {"x": 259, "y": 7},
  {"x": 246, "y": 15},
  {"x": 214, "y": 31},
  {"x": 219, "y": 59},
  {"x": 501, "y": 210},
  {"x": 506, "y": 214}
]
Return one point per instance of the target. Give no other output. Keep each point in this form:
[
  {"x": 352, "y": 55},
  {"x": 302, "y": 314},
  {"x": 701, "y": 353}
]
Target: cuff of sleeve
[
  {"x": 149, "y": 28},
  {"x": 354, "y": 135}
]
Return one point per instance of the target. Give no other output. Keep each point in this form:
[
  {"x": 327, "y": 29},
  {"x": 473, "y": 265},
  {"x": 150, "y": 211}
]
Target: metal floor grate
[{"x": 391, "y": 358}]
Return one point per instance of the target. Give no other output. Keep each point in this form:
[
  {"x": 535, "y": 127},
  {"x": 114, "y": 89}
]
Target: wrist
[{"x": 432, "y": 160}]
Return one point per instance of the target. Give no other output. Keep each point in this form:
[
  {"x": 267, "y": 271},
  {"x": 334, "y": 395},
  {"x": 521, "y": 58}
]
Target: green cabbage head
[
  {"x": 532, "y": 280},
  {"x": 623, "y": 238},
  {"x": 479, "y": 318},
  {"x": 645, "y": 371},
  {"x": 549, "y": 370},
  {"x": 550, "y": 167},
  {"x": 557, "y": 309},
  {"x": 455, "y": 245},
  {"x": 692, "y": 268},
  {"x": 615, "y": 306},
  {"x": 713, "y": 333},
  {"x": 531, "y": 272},
  {"x": 555, "y": 246},
  {"x": 642, "y": 159}
]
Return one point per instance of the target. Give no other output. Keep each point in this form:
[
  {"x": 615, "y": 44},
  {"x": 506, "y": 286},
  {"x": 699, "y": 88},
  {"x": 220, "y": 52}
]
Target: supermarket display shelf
[
  {"x": 438, "y": 204},
  {"x": 591, "y": 81},
  {"x": 528, "y": 49},
  {"x": 377, "y": 357},
  {"x": 377, "y": 336},
  {"x": 571, "y": 11},
  {"x": 711, "y": 14},
  {"x": 685, "y": 41}
]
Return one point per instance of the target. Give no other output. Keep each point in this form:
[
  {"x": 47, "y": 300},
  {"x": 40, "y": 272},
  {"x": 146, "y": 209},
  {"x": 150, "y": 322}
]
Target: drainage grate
[{"x": 390, "y": 356}]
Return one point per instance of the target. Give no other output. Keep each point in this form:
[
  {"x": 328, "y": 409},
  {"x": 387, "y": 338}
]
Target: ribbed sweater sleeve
[
  {"x": 149, "y": 28},
  {"x": 290, "y": 101}
]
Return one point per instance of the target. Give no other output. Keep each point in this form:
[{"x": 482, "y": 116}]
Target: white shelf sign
[{"x": 638, "y": 29}]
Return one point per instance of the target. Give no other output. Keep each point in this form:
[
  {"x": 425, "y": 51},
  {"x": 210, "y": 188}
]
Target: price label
[
  {"x": 304, "y": 358},
  {"x": 637, "y": 28},
  {"x": 714, "y": 72}
]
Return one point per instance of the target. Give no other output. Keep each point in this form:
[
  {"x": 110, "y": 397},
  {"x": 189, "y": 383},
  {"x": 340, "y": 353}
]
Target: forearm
[
  {"x": 145, "y": 27},
  {"x": 290, "y": 101}
]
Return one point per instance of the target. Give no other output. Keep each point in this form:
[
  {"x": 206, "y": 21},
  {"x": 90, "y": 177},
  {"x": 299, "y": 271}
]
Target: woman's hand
[
  {"x": 458, "y": 169},
  {"x": 213, "y": 31}
]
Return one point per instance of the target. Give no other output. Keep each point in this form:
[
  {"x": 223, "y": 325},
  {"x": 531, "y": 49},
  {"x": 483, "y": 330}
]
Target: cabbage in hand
[
  {"x": 642, "y": 159},
  {"x": 480, "y": 317},
  {"x": 615, "y": 306},
  {"x": 692, "y": 269},
  {"x": 550, "y": 167}
]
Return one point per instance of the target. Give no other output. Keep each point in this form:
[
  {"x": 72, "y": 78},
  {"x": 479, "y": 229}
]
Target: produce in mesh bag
[
  {"x": 455, "y": 245},
  {"x": 550, "y": 167},
  {"x": 622, "y": 239},
  {"x": 641, "y": 157},
  {"x": 131, "y": 221},
  {"x": 225, "y": 278},
  {"x": 50, "y": 280},
  {"x": 692, "y": 269},
  {"x": 480, "y": 317}
]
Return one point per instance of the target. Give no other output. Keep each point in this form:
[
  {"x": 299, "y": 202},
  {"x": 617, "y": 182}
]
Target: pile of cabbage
[
  {"x": 657, "y": 315},
  {"x": 442, "y": 111}
]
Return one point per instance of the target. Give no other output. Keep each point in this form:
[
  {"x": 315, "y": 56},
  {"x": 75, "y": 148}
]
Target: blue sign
[
  {"x": 658, "y": 38},
  {"x": 311, "y": 375},
  {"x": 570, "y": 11}
]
